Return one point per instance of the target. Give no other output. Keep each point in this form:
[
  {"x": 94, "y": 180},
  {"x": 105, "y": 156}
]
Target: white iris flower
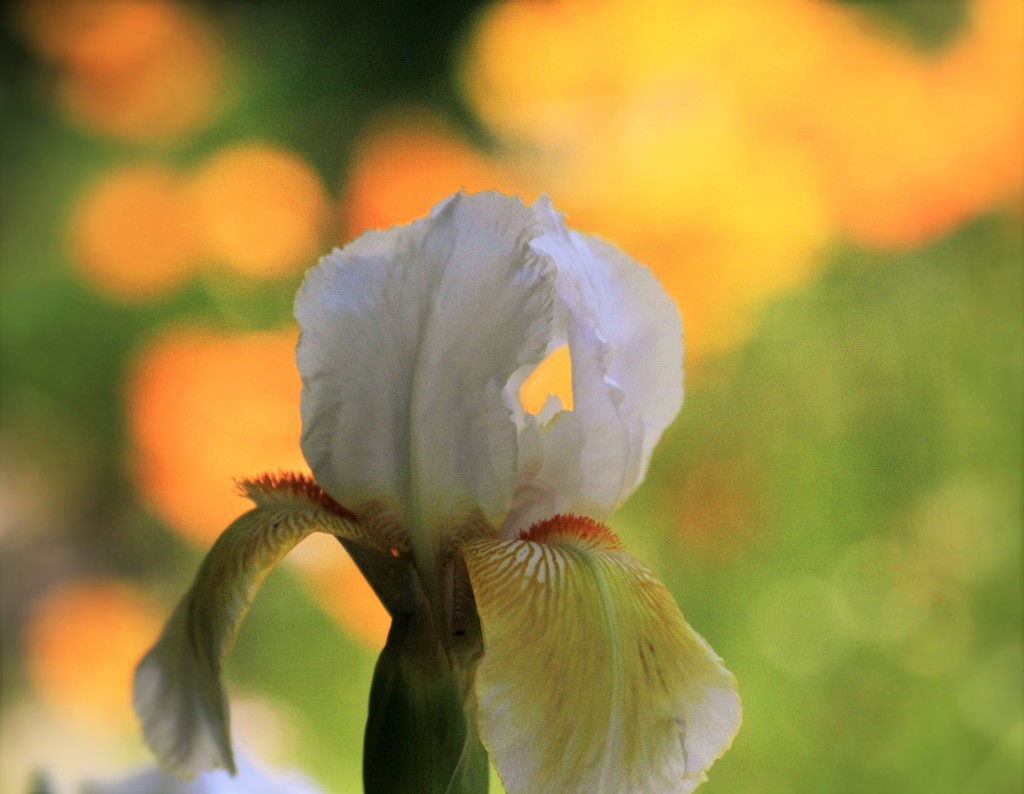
[{"x": 476, "y": 521}]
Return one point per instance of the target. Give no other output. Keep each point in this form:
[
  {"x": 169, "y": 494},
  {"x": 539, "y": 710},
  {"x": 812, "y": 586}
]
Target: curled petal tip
[
  {"x": 289, "y": 487},
  {"x": 180, "y": 701},
  {"x": 178, "y": 693}
]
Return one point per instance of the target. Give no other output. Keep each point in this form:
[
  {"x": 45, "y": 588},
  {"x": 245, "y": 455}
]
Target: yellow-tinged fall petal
[
  {"x": 591, "y": 680},
  {"x": 178, "y": 692}
]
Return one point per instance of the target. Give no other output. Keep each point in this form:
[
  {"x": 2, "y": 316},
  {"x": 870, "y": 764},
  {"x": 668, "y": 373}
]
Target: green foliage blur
[{"x": 838, "y": 509}]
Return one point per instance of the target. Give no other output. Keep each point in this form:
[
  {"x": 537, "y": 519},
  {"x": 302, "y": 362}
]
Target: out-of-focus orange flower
[
  {"x": 725, "y": 146},
  {"x": 263, "y": 209},
  {"x": 717, "y": 508},
  {"x": 913, "y": 144},
  {"x": 132, "y": 234},
  {"x": 405, "y": 162},
  {"x": 96, "y": 35},
  {"x": 341, "y": 590},
  {"x": 139, "y": 71},
  {"x": 140, "y": 230},
  {"x": 83, "y": 642},
  {"x": 637, "y": 111},
  {"x": 207, "y": 408}
]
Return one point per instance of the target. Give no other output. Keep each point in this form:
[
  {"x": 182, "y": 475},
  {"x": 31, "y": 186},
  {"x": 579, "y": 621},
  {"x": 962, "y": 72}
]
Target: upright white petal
[
  {"x": 625, "y": 341},
  {"x": 415, "y": 341},
  {"x": 409, "y": 338}
]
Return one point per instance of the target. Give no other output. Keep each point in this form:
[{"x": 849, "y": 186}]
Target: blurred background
[{"x": 833, "y": 194}]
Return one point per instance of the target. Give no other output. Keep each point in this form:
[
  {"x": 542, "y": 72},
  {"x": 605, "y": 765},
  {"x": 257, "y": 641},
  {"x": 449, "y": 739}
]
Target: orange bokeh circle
[
  {"x": 263, "y": 209},
  {"x": 83, "y": 640},
  {"x": 133, "y": 232},
  {"x": 208, "y": 407}
]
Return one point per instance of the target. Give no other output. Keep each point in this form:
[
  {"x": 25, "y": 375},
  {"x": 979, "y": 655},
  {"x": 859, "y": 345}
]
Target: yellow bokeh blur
[
  {"x": 915, "y": 144},
  {"x": 551, "y": 378},
  {"x": 728, "y": 161},
  {"x": 262, "y": 209},
  {"x": 83, "y": 641},
  {"x": 133, "y": 233},
  {"x": 143, "y": 229}
]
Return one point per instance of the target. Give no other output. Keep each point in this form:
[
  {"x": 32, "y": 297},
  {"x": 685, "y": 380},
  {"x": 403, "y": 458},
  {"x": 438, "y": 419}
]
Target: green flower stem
[{"x": 419, "y": 738}]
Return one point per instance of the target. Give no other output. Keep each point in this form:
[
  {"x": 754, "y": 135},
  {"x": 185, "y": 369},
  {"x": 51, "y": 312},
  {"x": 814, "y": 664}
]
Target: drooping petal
[
  {"x": 409, "y": 338},
  {"x": 625, "y": 342},
  {"x": 178, "y": 691},
  {"x": 591, "y": 680}
]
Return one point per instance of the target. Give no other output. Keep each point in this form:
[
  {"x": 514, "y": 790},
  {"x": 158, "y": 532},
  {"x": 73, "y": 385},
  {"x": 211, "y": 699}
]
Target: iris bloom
[{"x": 521, "y": 628}]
